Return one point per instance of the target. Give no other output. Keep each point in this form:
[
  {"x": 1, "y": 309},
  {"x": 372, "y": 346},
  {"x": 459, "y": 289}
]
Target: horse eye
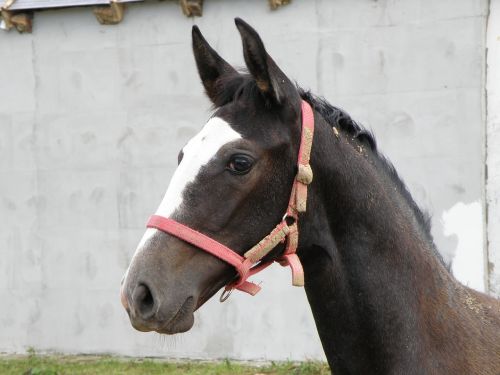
[{"x": 240, "y": 164}]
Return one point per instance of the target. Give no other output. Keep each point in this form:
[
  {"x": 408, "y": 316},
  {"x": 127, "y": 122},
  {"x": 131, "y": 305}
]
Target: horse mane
[{"x": 337, "y": 117}]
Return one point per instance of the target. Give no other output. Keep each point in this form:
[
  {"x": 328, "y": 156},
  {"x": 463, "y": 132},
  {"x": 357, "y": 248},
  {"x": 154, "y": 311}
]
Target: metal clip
[{"x": 225, "y": 294}]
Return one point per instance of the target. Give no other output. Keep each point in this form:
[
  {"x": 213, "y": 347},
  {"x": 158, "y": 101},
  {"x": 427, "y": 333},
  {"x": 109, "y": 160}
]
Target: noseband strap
[{"x": 286, "y": 231}]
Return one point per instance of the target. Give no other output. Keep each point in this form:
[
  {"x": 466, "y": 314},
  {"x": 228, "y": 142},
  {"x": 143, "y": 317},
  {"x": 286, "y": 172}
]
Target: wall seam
[{"x": 486, "y": 246}]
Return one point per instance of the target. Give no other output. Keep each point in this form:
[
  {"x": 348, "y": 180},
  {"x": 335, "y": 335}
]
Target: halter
[{"x": 285, "y": 232}]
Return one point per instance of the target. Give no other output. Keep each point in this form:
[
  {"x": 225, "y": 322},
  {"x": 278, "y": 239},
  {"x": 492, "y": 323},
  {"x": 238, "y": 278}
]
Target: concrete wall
[
  {"x": 493, "y": 152},
  {"x": 92, "y": 117}
]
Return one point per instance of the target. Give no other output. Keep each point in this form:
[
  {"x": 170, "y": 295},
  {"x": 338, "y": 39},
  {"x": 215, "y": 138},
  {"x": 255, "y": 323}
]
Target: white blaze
[{"x": 196, "y": 154}]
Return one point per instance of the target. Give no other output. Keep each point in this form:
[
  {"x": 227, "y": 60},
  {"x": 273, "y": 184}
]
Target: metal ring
[{"x": 225, "y": 294}]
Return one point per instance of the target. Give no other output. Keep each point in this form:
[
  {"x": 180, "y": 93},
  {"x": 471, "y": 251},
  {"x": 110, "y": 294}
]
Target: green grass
[{"x": 33, "y": 364}]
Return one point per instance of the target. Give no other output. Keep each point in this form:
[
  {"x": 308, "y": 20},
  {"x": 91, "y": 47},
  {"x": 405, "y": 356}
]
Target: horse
[{"x": 383, "y": 300}]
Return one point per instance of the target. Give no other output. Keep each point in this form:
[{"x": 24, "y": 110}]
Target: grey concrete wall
[{"x": 92, "y": 117}]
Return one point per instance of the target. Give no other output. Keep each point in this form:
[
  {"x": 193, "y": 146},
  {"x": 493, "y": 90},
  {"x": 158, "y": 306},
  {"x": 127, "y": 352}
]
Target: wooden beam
[
  {"x": 275, "y": 4},
  {"x": 111, "y": 14},
  {"x": 192, "y": 8}
]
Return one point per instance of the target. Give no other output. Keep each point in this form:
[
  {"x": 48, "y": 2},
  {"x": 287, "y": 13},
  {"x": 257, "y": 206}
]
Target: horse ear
[
  {"x": 210, "y": 66},
  {"x": 271, "y": 81}
]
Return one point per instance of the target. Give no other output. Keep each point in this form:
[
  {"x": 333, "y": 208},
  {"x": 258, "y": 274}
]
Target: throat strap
[{"x": 284, "y": 232}]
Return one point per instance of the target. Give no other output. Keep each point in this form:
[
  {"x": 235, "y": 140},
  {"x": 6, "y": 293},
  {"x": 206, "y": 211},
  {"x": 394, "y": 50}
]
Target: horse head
[{"x": 232, "y": 184}]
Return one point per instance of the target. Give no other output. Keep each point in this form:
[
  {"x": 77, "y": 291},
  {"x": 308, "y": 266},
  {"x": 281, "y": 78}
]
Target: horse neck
[{"x": 372, "y": 278}]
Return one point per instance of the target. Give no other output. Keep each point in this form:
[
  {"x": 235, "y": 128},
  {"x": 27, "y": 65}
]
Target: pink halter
[{"x": 250, "y": 263}]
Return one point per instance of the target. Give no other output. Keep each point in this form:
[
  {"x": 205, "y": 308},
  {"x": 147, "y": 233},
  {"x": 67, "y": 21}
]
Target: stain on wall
[{"x": 465, "y": 223}]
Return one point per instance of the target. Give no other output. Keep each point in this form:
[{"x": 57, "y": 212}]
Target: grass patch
[{"x": 33, "y": 364}]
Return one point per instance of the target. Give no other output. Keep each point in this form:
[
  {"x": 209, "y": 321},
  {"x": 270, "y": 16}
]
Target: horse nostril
[{"x": 144, "y": 301}]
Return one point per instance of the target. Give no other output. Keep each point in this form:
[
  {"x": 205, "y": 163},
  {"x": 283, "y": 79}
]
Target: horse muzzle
[{"x": 150, "y": 311}]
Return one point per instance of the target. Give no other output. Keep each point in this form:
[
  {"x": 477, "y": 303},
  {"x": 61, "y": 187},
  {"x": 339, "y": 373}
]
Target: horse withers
[{"x": 381, "y": 296}]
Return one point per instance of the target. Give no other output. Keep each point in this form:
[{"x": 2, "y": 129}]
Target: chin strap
[{"x": 285, "y": 232}]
